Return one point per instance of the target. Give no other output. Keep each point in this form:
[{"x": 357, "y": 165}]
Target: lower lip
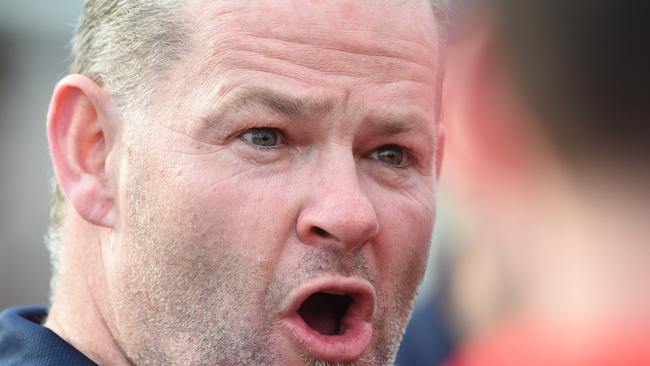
[{"x": 347, "y": 347}]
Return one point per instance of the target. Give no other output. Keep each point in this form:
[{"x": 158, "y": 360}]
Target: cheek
[
  {"x": 402, "y": 248},
  {"x": 250, "y": 214},
  {"x": 189, "y": 227},
  {"x": 183, "y": 206}
]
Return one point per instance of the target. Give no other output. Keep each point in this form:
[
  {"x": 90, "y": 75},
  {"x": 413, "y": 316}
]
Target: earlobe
[{"x": 78, "y": 132}]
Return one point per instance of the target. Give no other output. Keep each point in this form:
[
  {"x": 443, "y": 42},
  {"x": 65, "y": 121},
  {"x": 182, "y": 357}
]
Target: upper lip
[{"x": 361, "y": 291}]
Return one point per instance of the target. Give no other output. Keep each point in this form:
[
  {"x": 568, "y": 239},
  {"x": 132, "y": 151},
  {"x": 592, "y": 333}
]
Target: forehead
[
  {"x": 335, "y": 45},
  {"x": 412, "y": 19}
]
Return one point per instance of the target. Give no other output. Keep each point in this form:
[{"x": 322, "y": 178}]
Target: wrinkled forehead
[
  {"x": 406, "y": 19},
  {"x": 403, "y": 29},
  {"x": 313, "y": 41}
]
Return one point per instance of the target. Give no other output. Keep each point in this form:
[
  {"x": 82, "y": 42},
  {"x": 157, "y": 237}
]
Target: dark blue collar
[{"x": 24, "y": 341}]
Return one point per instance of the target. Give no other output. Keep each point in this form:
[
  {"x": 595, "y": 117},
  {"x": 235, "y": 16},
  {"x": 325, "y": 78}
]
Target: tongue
[{"x": 323, "y": 312}]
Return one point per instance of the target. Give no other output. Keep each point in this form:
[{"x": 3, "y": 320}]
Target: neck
[{"x": 75, "y": 313}]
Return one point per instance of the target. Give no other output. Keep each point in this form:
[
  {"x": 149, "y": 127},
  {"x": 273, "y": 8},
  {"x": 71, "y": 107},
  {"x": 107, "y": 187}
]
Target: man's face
[{"x": 277, "y": 195}]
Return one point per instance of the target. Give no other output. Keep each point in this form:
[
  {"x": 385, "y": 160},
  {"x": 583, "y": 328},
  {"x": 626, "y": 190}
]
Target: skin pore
[{"x": 269, "y": 157}]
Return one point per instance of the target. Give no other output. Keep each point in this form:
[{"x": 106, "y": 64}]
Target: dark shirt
[
  {"x": 24, "y": 341},
  {"x": 427, "y": 341}
]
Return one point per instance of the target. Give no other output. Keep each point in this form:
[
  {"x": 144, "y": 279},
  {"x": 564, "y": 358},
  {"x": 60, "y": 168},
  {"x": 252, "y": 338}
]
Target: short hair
[
  {"x": 126, "y": 45},
  {"x": 583, "y": 68}
]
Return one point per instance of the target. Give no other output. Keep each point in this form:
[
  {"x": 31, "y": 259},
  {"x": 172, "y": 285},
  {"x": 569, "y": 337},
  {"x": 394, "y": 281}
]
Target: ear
[{"x": 79, "y": 130}]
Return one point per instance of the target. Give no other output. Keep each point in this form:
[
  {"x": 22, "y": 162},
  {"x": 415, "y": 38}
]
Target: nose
[{"x": 337, "y": 213}]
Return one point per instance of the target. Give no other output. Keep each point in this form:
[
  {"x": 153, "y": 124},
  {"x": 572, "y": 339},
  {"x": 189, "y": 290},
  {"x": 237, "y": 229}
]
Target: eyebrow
[
  {"x": 395, "y": 125},
  {"x": 252, "y": 99}
]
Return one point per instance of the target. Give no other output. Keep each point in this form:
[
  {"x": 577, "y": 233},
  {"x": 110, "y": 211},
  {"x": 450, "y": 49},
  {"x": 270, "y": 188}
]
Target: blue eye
[
  {"x": 262, "y": 137},
  {"x": 391, "y": 155}
]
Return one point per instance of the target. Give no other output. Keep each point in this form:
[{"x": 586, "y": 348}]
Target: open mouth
[
  {"x": 323, "y": 312},
  {"x": 332, "y": 319}
]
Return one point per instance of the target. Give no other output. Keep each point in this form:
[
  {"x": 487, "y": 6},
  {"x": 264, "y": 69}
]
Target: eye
[
  {"x": 392, "y": 155},
  {"x": 262, "y": 137}
]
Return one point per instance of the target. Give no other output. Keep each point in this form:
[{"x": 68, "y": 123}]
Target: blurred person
[
  {"x": 547, "y": 110},
  {"x": 238, "y": 183}
]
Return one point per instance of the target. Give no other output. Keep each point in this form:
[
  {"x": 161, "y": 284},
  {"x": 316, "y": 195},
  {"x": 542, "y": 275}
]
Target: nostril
[{"x": 320, "y": 232}]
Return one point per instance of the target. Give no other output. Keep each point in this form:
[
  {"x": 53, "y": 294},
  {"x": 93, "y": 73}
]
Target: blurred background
[{"x": 34, "y": 38}]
